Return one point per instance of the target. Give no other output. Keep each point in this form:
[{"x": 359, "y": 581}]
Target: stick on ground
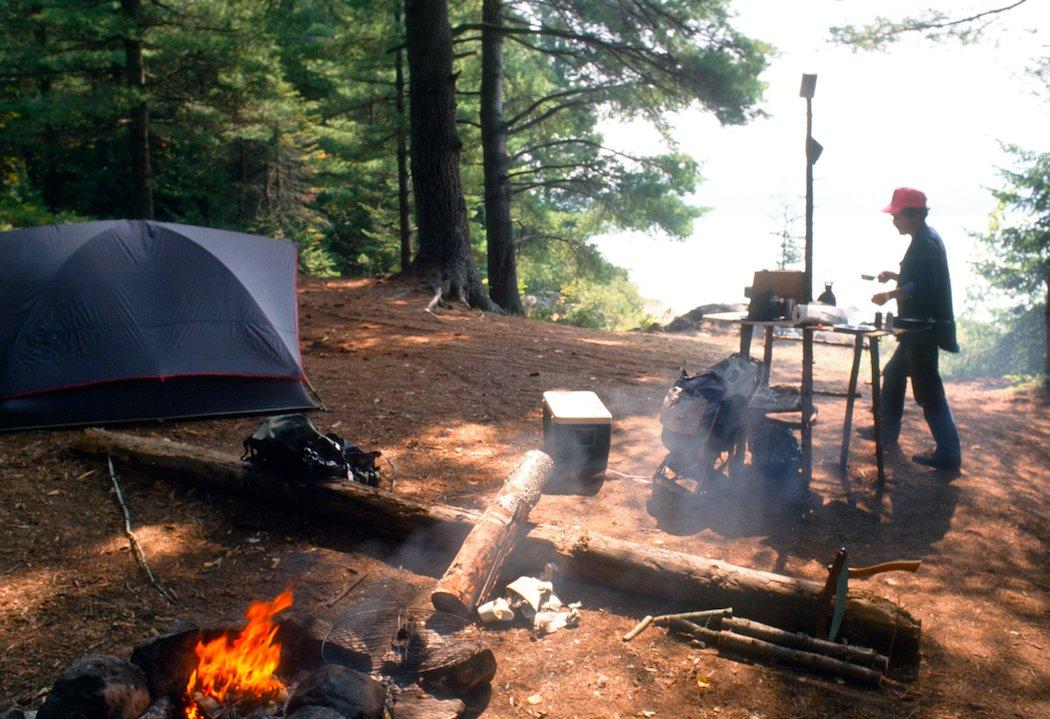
[
  {"x": 136, "y": 549},
  {"x": 774, "y": 653}
]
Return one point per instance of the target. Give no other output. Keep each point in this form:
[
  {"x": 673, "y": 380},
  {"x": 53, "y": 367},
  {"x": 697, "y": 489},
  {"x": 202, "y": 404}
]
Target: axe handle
[{"x": 903, "y": 565}]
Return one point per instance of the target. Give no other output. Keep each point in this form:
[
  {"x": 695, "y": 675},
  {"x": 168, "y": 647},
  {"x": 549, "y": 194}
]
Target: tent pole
[{"x": 314, "y": 393}]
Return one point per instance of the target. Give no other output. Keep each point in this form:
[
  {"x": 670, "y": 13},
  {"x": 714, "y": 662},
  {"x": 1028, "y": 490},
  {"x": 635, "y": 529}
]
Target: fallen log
[
  {"x": 477, "y": 564},
  {"x": 785, "y": 602}
]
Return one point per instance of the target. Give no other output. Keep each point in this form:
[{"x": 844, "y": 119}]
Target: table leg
[
  {"x": 807, "y": 407},
  {"x": 876, "y": 387},
  {"x": 767, "y": 357},
  {"x": 746, "y": 332},
  {"x": 847, "y": 423}
]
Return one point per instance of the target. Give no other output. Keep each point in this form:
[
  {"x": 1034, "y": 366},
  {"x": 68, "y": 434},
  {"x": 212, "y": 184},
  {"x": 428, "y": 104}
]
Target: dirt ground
[{"x": 453, "y": 401}]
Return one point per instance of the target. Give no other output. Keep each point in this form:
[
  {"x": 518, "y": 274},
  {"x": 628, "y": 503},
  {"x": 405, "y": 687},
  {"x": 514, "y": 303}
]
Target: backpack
[
  {"x": 289, "y": 444},
  {"x": 704, "y": 415}
]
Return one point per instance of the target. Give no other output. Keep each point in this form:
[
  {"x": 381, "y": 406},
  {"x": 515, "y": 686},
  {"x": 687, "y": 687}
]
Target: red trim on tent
[{"x": 160, "y": 378}]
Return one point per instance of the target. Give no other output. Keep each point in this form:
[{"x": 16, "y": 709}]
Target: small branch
[
  {"x": 136, "y": 549},
  {"x": 349, "y": 588},
  {"x": 638, "y": 628}
]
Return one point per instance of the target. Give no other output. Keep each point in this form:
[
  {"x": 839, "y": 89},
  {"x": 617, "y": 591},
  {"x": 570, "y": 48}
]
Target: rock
[
  {"x": 97, "y": 686},
  {"x": 316, "y": 713},
  {"x": 413, "y": 703},
  {"x": 351, "y": 693},
  {"x": 691, "y": 319}
]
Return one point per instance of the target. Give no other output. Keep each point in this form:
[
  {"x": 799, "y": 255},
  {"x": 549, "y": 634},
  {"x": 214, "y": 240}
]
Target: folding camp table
[{"x": 774, "y": 404}]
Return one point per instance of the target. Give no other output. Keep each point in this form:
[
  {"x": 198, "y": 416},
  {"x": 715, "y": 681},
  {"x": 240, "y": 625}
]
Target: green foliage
[
  {"x": 932, "y": 25},
  {"x": 20, "y": 203},
  {"x": 279, "y": 118},
  {"x": 1018, "y": 236},
  {"x": 613, "y": 305},
  {"x": 1014, "y": 344}
]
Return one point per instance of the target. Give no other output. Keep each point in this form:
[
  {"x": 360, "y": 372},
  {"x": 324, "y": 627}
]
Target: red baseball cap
[{"x": 905, "y": 197}]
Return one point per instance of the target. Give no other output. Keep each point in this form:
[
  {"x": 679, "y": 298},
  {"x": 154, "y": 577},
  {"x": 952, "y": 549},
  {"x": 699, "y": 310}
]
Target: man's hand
[
  {"x": 881, "y": 298},
  {"x": 886, "y": 276}
]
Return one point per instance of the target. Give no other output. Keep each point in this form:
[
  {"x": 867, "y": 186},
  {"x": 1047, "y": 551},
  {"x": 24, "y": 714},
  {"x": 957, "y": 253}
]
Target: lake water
[{"x": 720, "y": 259}]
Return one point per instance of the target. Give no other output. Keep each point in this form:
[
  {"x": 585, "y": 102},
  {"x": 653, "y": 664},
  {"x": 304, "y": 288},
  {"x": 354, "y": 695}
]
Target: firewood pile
[{"x": 718, "y": 628}]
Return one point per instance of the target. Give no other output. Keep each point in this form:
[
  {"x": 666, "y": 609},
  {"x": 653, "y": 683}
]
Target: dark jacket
[{"x": 927, "y": 287}]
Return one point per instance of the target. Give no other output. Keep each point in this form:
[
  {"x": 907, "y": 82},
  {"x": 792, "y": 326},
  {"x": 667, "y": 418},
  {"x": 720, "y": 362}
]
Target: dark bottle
[{"x": 827, "y": 297}]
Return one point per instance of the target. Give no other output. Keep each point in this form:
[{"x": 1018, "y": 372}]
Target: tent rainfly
[{"x": 117, "y": 321}]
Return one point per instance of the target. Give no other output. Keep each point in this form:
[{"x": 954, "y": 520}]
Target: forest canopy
[{"x": 291, "y": 119}]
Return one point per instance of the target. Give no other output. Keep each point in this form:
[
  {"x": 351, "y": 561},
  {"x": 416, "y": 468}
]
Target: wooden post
[
  {"x": 767, "y": 356},
  {"x": 746, "y": 333},
  {"x": 847, "y": 423},
  {"x": 476, "y": 567},
  {"x": 807, "y": 406},
  {"x": 876, "y": 388}
]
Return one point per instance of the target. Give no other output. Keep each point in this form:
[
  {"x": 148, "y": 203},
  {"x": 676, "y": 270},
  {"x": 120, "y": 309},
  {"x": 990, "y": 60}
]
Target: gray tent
[{"x": 119, "y": 321}]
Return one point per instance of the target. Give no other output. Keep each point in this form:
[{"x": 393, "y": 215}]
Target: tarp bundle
[{"x": 131, "y": 320}]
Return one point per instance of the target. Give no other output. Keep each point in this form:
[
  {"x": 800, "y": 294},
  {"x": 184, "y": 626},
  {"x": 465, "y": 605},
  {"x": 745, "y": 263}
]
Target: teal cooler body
[{"x": 576, "y": 431}]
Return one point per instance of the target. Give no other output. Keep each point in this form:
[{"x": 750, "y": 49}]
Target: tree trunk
[
  {"x": 138, "y": 125},
  {"x": 786, "y": 602},
  {"x": 404, "y": 209},
  {"x": 476, "y": 567},
  {"x": 1046, "y": 330},
  {"x": 445, "y": 260},
  {"x": 502, "y": 264},
  {"x": 48, "y": 180}
]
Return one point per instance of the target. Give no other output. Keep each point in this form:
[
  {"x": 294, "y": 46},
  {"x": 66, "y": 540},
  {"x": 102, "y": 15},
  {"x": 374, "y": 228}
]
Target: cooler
[{"x": 576, "y": 429}]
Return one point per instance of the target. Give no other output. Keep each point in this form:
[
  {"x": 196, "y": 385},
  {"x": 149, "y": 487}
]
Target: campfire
[
  {"x": 240, "y": 672},
  {"x": 390, "y": 662}
]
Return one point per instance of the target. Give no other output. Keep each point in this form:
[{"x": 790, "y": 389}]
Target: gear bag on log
[
  {"x": 706, "y": 414},
  {"x": 290, "y": 444}
]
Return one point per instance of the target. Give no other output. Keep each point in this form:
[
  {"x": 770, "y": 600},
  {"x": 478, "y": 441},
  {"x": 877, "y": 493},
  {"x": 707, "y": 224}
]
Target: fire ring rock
[
  {"x": 316, "y": 713},
  {"x": 97, "y": 686},
  {"x": 353, "y": 694}
]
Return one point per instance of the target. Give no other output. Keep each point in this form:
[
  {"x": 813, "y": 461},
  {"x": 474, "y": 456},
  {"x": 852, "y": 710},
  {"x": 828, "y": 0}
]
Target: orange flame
[{"x": 245, "y": 667}]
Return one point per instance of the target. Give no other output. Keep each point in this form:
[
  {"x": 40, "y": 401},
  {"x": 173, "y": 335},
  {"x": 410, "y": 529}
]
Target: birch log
[{"x": 477, "y": 564}]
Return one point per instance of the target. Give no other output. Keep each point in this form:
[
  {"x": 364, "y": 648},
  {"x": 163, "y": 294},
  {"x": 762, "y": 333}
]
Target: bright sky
[{"x": 921, "y": 114}]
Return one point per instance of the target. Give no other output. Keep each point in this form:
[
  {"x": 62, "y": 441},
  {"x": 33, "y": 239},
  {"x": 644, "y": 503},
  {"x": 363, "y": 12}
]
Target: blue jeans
[{"x": 916, "y": 357}]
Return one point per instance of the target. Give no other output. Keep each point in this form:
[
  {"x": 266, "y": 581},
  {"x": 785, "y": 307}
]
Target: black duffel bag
[{"x": 290, "y": 445}]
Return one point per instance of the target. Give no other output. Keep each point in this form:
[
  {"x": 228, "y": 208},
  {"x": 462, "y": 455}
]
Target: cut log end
[{"x": 445, "y": 601}]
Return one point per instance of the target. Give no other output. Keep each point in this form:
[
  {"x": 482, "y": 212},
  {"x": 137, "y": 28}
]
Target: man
[{"x": 924, "y": 303}]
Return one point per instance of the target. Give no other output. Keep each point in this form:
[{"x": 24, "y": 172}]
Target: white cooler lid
[{"x": 572, "y": 407}]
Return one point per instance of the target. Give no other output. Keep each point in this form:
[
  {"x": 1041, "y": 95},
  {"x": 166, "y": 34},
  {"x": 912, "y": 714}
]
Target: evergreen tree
[{"x": 1018, "y": 237}]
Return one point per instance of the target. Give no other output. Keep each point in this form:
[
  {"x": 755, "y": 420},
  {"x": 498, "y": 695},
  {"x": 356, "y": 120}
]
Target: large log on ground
[
  {"x": 477, "y": 564},
  {"x": 698, "y": 582}
]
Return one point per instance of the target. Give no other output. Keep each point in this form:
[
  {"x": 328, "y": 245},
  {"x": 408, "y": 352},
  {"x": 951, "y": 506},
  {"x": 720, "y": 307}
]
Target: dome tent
[{"x": 116, "y": 321}]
